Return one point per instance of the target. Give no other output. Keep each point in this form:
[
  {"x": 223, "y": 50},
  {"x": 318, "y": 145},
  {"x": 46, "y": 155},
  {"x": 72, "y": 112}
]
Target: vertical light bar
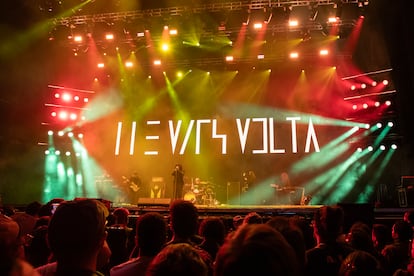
[
  {"x": 132, "y": 142},
  {"x": 118, "y": 138}
]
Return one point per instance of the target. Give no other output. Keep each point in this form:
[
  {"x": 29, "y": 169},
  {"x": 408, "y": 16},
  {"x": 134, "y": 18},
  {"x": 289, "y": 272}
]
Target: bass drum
[{"x": 190, "y": 196}]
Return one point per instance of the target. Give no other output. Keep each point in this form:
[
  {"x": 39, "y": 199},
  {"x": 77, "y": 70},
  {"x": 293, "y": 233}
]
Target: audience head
[
  {"x": 184, "y": 218},
  {"x": 10, "y": 244},
  {"x": 121, "y": 216},
  {"x": 237, "y": 221},
  {"x": 381, "y": 235},
  {"x": 151, "y": 233},
  {"x": 178, "y": 259},
  {"x": 77, "y": 231},
  {"x": 360, "y": 263},
  {"x": 328, "y": 223},
  {"x": 256, "y": 249},
  {"x": 213, "y": 228},
  {"x": 253, "y": 218},
  {"x": 402, "y": 230},
  {"x": 409, "y": 217}
]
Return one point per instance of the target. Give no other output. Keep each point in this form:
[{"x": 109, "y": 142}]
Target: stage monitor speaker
[
  {"x": 233, "y": 193},
  {"x": 357, "y": 212},
  {"x": 145, "y": 201}
]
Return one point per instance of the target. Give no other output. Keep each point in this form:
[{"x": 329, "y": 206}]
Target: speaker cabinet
[{"x": 233, "y": 193}]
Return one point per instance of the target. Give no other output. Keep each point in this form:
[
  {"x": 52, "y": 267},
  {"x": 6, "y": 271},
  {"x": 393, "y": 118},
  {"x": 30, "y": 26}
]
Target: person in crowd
[
  {"x": 28, "y": 218},
  {"x": 184, "y": 226},
  {"x": 76, "y": 236},
  {"x": 330, "y": 250},
  {"x": 253, "y": 218},
  {"x": 120, "y": 237},
  {"x": 180, "y": 259},
  {"x": 307, "y": 230},
  {"x": 213, "y": 232},
  {"x": 37, "y": 250},
  {"x": 360, "y": 263},
  {"x": 360, "y": 237},
  {"x": 178, "y": 178},
  {"x": 151, "y": 236},
  {"x": 256, "y": 249},
  {"x": 12, "y": 261},
  {"x": 381, "y": 236},
  {"x": 397, "y": 255},
  {"x": 293, "y": 236}
]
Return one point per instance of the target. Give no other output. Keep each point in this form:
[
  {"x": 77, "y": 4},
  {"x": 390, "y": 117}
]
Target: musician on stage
[{"x": 178, "y": 175}]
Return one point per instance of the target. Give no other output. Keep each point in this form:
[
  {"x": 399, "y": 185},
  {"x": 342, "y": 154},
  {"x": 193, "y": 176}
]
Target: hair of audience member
[
  {"x": 180, "y": 259},
  {"x": 253, "y": 218},
  {"x": 293, "y": 235},
  {"x": 360, "y": 263},
  {"x": 184, "y": 218},
  {"x": 77, "y": 230},
  {"x": 9, "y": 243},
  {"x": 213, "y": 228},
  {"x": 328, "y": 223},
  {"x": 33, "y": 208},
  {"x": 306, "y": 228},
  {"x": 256, "y": 249},
  {"x": 151, "y": 233},
  {"x": 121, "y": 215},
  {"x": 403, "y": 229}
]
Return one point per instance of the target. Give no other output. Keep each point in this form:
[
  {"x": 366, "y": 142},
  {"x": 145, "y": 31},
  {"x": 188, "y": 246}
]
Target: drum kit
[{"x": 200, "y": 192}]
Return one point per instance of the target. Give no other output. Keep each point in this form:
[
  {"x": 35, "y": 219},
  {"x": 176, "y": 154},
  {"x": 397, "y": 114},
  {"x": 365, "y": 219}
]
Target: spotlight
[
  {"x": 294, "y": 55},
  {"x": 385, "y": 82},
  {"x": 50, "y": 132},
  {"x": 370, "y": 148},
  {"x": 379, "y": 125},
  {"x": 260, "y": 56},
  {"x": 157, "y": 62},
  {"x": 390, "y": 124},
  {"x": 394, "y": 146},
  {"x": 229, "y": 58},
  {"x": 363, "y": 86},
  {"x": 109, "y": 36},
  {"x": 323, "y": 52},
  {"x": 353, "y": 87},
  {"x": 382, "y": 147},
  {"x": 101, "y": 65}
]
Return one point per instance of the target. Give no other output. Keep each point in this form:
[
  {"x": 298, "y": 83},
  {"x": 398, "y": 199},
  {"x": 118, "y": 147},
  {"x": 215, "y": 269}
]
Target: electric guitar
[{"x": 134, "y": 187}]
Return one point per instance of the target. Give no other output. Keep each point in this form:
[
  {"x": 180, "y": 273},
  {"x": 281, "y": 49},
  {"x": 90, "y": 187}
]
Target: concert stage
[{"x": 353, "y": 212}]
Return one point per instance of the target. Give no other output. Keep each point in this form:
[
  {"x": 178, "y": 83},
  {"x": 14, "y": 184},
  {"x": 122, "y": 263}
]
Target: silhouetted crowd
[{"x": 83, "y": 237}]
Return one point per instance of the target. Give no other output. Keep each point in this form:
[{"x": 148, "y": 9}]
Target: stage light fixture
[
  {"x": 354, "y": 107},
  {"x": 63, "y": 115},
  {"x": 47, "y": 152},
  {"x": 382, "y": 147},
  {"x": 61, "y": 133},
  {"x": 157, "y": 62},
  {"x": 374, "y": 83},
  {"x": 353, "y": 87},
  {"x": 57, "y": 95},
  {"x": 140, "y": 34},
  {"x": 379, "y": 125},
  {"x": 394, "y": 146},
  {"x": 78, "y": 38},
  {"x": 70, "y": 134},
  {"x": 67, "y": 153},
  {"x": 377, "y": 104},
  {"x": 57, "y": 152},
  {"x": 257, "y": 26},
  {"x": 76, "y": 98},
  {"x": 129, "y": 64},
  {"x": 370, "y": 148},
  {"x": 293, "y": 23},
  {"x": 101, "y": 65},
  {"x": 388, "y": 103},
  {"x": 323, "y": 52},
  {"x": 363, "y": 86},
  {"x": 365, "y": 105},
  {"x": 385, "y": 82},
  {"x": 390, "y": 124},
  {"x": 80, "y": 135},
  {"x": 261, "y": 56},
  {"x": 294, "y": 55},
  {"x": 173, "y": 32},
  {"x": 73, "y": 116},
  {"x": 109, "y": 36},
  {"x": 229, "y": 58},
  {"x": 66, "y": 97},
  {"x": 50, "y": 132},
  {"x": 333, "y": 19},
  {"x": 53, "y": 114}
]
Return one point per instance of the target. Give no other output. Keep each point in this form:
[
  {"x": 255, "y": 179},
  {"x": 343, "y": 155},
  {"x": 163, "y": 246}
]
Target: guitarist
[{"x": 134, "y": 185}]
